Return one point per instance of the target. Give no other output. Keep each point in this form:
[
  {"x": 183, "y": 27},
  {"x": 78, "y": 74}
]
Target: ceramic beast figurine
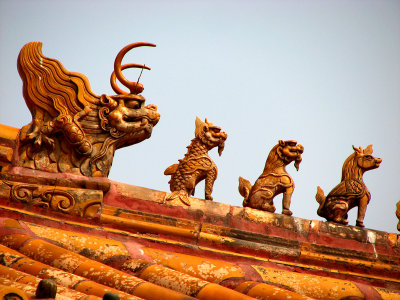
[
  {"x": 196, "y": 165},
  {"x": 74, "y": 130},
  {"x": 274, "y": 180},
  {"x": 351, "y": 191}
]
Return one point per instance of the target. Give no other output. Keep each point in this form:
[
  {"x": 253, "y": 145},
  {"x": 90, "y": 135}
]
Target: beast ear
[
  {"x": 198, "y": 122},
  {"x": 368, "y": 150},
  {"x": 200, "y": 126},
  {"x": 282, "y": 143}
]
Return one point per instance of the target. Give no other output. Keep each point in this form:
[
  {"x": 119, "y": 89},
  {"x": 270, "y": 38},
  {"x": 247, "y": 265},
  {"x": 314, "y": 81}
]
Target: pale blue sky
[{"x": 325, "y": 73}]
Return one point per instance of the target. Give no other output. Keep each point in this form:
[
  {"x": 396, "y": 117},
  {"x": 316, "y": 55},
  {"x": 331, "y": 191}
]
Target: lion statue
[
  {"x": 74, "y": 130},
  {"x": 351, "y": 191},
  {"x": 274, "y": 180},
  {"x": 196, "y": 164}
]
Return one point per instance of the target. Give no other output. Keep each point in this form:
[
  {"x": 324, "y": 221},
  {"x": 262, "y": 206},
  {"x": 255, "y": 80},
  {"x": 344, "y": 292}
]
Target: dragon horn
[
  {"x": 199, "y": 127},
  {"x": 113, "y": 78},
  {"x": 134, "y": 87}
]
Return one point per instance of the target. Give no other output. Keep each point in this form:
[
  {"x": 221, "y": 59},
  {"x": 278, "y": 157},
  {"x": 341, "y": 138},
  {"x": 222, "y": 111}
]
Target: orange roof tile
[{"x": 137, "y": 246}]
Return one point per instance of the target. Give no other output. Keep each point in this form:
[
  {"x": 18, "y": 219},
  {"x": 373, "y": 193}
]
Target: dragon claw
[{"x": 39, "y": 140}]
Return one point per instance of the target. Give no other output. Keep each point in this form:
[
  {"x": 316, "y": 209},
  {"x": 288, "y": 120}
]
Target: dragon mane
[{"x": 42, "y": 78}]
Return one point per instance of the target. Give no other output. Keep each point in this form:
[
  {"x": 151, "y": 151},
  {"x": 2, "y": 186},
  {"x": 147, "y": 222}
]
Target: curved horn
[
  {"x": 134, "y": 87},
  {"x": 113, "y": 79}
]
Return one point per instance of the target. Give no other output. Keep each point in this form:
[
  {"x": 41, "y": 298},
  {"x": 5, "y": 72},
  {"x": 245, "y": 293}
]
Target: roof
[{"x": 94, "y": 236}]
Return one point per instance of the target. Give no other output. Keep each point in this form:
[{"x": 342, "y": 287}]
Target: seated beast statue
[
  {"x": 197, "y": 164},
  {"x": 274, "y": 180},
  {"x": 74, "y": 130},
  {"x": 351, "y": 191}
]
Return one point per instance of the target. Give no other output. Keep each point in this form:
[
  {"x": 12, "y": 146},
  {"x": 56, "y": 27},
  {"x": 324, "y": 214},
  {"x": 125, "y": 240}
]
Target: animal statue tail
[
  {"x": 171, "y": 169},
  {"x": 180, "y": 193},
  {"x": 320, "y": 197},
  {"x": 244, "y": 190}
]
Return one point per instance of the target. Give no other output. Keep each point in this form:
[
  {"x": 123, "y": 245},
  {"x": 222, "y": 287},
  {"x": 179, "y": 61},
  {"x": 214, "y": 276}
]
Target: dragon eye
[{"x": 132, "y": 104}]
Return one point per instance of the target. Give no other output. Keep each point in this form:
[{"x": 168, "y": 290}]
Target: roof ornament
[
  {"x": 351, "y": 191},
  {"x": 274, "y": 180},
  {"x": 196, "y": 165},
  {"x": 74, "y": 130}
]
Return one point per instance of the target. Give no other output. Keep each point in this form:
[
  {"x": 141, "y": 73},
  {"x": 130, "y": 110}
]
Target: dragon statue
[
  {"x": 196, "y": 165},
  {"x": 351, "y": 191},
  {"x": 274, "y": 180},
  {"x": 74, "y": 130}
]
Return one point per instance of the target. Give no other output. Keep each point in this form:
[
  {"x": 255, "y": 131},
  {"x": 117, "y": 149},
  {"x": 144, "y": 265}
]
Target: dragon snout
[
  {"x": 223, "y": 135},
  {"x": 152, "y": 113},
  {"x": 151, "y": 107}
]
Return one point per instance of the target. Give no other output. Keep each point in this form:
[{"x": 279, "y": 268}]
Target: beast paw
[
  {"x": 40, "y": 140},
  {"x": 340, "y": 220},
  {"x": 360, "y": 224},
  {"x": 287, "y": 212}
]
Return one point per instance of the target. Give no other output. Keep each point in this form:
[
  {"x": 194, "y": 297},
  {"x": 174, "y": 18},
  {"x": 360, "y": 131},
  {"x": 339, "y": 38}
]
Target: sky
[{"x": 324, "y": 73}]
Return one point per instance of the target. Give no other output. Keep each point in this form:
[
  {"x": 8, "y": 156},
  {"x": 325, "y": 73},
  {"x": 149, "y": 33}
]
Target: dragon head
[
  {"x": 290, "y": 151},
  {"x": 76, "y": 130},
  {"x": 127, "y": 118},
  {"x": 126, "y": 114},
  {"x": 210, "y": 135}
]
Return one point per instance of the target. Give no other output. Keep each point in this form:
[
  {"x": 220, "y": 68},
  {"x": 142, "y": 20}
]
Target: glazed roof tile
[{"x": 137, "y": 246}]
